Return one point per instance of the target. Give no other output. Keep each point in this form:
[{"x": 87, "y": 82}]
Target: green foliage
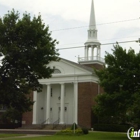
[
  {"x": 69, "y": 131},
  {"x": 74, "y": 130},
  {"x": 111, "y": 127},
  {"x": 27, "y": 47},
  {"x": 11, "y": 115},
  {"x": 85, "y": 130},
  {"x": 10, "y": 125},
  {"x": 10, "y": 135},
  {"x": 74, "y": 126},
  {"x": 121, "y": 82}
]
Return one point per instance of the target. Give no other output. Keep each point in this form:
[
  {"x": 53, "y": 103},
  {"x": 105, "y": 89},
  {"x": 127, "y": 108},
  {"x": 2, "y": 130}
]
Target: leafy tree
[
  {"x": 121, "y": 82},
  {"x": 11, "y": 116},
  {"x": 28, "y": 47}
]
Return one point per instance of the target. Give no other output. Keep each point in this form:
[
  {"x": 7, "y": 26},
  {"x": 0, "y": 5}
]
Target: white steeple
[
  {"x": 92, "y": 31},
  {"x": 92, "y": 45},
  {"x": 92, "y": 23},
  {"x": 92, "y": 41}
]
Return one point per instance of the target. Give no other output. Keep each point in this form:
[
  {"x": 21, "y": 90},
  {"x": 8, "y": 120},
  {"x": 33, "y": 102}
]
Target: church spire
[
  {"x": 92, "y": 23},
  {"x": 92, "y": 45},
  {"x": 92, "y": 41},
  {"x": 92, "y": 31}
]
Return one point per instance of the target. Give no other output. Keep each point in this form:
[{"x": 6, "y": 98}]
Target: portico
[
  {"x": 58, "y": 100},
  {"x": 60, "y": 104}
]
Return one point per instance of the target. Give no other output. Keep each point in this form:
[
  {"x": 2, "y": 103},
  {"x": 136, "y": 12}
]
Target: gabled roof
[
  {"x": 79, "y": 65},
  {"x": 70, "y": 72}
]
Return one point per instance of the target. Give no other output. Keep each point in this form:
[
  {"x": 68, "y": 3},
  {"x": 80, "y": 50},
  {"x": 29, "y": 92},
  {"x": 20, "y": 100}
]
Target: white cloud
[{"x": 61, "y": 14}]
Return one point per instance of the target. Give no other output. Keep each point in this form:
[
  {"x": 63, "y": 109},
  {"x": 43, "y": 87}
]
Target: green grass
[
  {"x": 90, "y": 136},
  {"x": 10, "y": 135}
]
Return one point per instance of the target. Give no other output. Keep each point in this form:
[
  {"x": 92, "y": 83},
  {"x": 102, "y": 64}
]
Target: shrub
[
  {"x": 85, "y": 130},
  {"x": 74, "y": 126},
  {"x": 111, "y": 127},
  {"x": 11, "y": 115},
  {"x": 69, "y": 131},
  {"x": 79, "y": 131},
  {"x": 9, "y": 126}
]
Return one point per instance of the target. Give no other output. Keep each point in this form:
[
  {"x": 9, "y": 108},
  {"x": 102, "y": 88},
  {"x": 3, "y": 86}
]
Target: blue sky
[{"x": 64, "y": 14}]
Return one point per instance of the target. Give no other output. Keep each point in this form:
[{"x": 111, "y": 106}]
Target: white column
[
  {"x": 92, "y": 52},
  {"x": 35, "y": 108},
  {"x": 48, "y": 103},
  {"x": 62, "y": 104},
  {"x": 76, "y": 102},
  {"x": 97, "y": 52},
  {"x": 87, "y": 52}
]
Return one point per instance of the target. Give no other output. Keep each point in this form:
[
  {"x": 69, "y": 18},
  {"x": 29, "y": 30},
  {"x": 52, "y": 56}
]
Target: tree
[
  {"x": 28, "y": 47},
  {"x": 120, "y": 80}
]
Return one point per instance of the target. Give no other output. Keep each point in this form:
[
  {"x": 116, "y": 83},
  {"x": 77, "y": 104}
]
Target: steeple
[
  {"x": 92, "y": 44},
  {"x": 92, "y": 23},
  {"x": 92, "y": 31}
]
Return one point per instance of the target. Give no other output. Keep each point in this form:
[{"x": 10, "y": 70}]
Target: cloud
[
  {"x": 107, "y": 10},
  {"x": 60, "y": 14}
]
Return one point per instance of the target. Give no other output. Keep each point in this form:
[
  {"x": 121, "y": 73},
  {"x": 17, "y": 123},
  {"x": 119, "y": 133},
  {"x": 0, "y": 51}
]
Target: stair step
[
  {"x": 46, "y": 126},
  {"x": 32, "y": 126}
]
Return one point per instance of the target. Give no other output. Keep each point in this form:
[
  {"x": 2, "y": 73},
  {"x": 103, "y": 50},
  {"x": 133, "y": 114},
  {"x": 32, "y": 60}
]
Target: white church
[{"x": 68, "y": 96}]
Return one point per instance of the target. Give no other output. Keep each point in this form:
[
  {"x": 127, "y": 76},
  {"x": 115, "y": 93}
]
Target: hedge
[
  {"x": 9, "y": 126},
  {"x": 111, "y": 127},
  {"x": 68, "y": 131}
]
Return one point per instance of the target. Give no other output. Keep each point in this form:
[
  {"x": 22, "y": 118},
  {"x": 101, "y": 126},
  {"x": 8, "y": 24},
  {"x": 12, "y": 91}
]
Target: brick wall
[
  {"x": 86, "y": 94},
  {"x": 28, "y": 116},
  {"x": 96, "y": 66}
]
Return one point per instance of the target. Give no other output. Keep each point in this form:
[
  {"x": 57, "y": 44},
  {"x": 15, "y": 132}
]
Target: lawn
[
  {"x": 10, "y": 135},
  {"x": 90, "y": 136}
]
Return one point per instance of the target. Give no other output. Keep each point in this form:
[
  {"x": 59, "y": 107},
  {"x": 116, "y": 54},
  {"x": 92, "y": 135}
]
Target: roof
[{"x": 79, "y": 65}]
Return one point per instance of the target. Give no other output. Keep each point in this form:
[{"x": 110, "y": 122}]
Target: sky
[{"x": 68, "y": 20}]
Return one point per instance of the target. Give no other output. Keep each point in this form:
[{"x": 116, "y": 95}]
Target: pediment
[{"x": 66, "y": 67}]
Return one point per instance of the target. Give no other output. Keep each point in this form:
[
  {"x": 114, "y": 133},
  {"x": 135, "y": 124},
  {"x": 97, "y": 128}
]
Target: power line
[
  {"x": 137, "y": 41},
  {"x": 121, "y": 42},
  {"x": 95, "y": 25},
  {"x": 100, "y": 40},
  {"x": 70, "y": 48}
]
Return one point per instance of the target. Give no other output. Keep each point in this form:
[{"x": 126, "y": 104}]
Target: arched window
[{"x": 56, "y": 71}]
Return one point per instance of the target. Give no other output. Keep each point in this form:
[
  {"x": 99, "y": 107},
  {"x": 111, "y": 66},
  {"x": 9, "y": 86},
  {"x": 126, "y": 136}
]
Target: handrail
[
  {"x": 44, "y": 121},
  {"x": 91, "y": 58},
  {"x": 56, "y": 123}
]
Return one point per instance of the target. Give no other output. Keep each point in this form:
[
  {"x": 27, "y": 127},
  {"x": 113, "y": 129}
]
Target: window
[{"x": 56, "y": 71}]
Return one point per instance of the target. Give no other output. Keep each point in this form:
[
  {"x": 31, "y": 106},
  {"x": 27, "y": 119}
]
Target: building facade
[{"x": 68, "y": 96}]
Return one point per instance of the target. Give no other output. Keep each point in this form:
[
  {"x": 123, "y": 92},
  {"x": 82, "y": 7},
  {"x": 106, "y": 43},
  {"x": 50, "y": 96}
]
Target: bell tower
[{"x": 92, "y": 49}]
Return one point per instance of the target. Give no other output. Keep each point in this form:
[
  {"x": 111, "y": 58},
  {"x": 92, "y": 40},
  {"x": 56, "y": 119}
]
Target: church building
[{"x": 68, "y": 96}]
